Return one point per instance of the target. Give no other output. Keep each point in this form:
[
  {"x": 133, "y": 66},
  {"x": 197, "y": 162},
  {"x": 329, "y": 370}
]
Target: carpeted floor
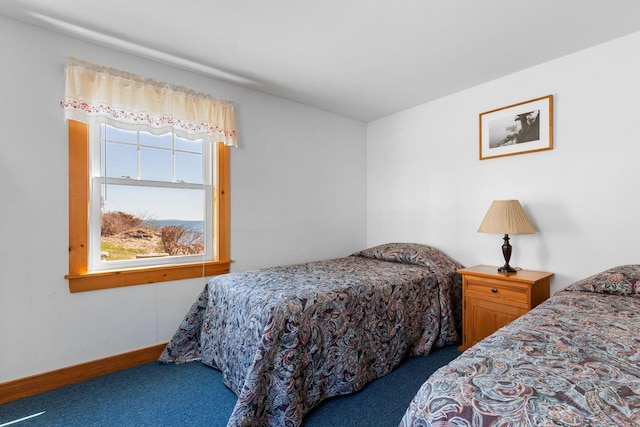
[{"x": 194, "y": 395}]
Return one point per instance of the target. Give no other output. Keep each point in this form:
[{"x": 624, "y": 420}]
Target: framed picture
[{"x": 520, "y": 128}]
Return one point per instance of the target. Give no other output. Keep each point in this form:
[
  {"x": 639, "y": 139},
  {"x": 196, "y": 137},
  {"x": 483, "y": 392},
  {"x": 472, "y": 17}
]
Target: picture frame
[{"x": 525, "y": 127}]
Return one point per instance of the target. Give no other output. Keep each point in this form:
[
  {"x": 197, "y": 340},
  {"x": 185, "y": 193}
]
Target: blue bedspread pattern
[
  {"x": 285, "y": 338},
  {"x": 572, "y": 361}
]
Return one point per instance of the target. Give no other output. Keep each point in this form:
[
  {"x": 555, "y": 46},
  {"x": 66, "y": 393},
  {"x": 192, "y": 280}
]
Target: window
[
  {"x": 141, "y": 153},
  {"x": 113, "y": 170},
  {"x": 150, "y": 200}
]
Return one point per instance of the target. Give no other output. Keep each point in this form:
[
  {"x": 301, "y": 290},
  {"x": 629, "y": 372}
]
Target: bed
[
  {"x": 286, "y": 338},
  {"x": 574, "y": 360}
]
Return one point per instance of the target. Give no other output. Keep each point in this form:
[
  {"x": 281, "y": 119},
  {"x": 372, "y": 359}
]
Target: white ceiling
[{"x": 361, "y": 58}]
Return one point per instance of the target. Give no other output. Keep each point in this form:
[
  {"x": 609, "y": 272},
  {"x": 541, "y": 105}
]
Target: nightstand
[{"x": 490, "y": 299}]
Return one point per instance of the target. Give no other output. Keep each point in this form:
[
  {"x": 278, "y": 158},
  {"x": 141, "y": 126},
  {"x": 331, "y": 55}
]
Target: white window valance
[{"x": 98, "y": 94}]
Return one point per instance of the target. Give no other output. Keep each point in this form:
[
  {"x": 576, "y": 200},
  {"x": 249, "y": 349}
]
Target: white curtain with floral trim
[{"x": 98, "y": 94}]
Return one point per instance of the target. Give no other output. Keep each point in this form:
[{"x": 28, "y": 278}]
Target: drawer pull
[{"x": 494, "y": 290}]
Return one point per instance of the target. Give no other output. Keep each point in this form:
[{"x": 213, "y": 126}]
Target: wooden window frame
[{"x": 81, "y": 279}]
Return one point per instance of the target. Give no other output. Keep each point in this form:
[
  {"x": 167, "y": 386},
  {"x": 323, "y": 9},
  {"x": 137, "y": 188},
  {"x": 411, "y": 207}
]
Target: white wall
[
  {"x": 425, "y": 182},
  {"x": 297, "y": 194}
]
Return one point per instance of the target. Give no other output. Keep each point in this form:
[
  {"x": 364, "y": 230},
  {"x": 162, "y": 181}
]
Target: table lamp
[{"x": 506, "y": 217}]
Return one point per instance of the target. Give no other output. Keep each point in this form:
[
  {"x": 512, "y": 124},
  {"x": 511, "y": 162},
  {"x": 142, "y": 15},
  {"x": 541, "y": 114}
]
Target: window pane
[
  {"x": 142, "y": 222},
  {"x": 114, "y": 134},
  {"x": 189, "y": 168},
  {"x": 163, "y": 141},
  {"x": 186, "y": 145},
  {"x": 155, "y": 165},
  {"x": 121, "y": 161}
]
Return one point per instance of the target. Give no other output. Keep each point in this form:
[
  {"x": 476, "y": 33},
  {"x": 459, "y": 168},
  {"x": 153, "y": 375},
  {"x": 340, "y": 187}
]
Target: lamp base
[
  {"x": 506, "y": 252},
  {"x": 507, "y": 269}
]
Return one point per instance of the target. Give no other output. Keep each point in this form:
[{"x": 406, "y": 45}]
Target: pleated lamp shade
[{"x": 506, "y": 217}]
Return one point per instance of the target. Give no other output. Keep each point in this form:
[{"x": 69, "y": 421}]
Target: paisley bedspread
[
  {"x": 286, "y": 338},
  {"x": 572, "y": 361}
]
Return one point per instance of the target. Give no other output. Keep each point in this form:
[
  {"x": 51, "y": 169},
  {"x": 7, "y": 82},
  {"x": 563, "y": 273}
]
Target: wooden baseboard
[{"x": 29, "y": 386}]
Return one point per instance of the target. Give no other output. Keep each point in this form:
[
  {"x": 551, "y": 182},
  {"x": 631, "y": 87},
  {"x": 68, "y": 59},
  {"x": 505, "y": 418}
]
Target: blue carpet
[{"x": 194, "y": 395}]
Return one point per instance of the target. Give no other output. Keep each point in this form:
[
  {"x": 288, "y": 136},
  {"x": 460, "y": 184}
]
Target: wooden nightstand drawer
[{"x": 493, "y": 291}]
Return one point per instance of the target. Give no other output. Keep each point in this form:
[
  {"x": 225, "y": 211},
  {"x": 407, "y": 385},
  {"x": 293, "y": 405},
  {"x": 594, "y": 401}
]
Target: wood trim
[
  {"x": 118, "y": 278},
  {"x": 30, "y": 386},
  {"x": 223, "y": 210},
  {"x": 78, "y": 197}
]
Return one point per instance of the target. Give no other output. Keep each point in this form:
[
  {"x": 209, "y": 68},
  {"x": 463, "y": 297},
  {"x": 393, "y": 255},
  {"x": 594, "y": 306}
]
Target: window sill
[{"x": 117, "y": 278}]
